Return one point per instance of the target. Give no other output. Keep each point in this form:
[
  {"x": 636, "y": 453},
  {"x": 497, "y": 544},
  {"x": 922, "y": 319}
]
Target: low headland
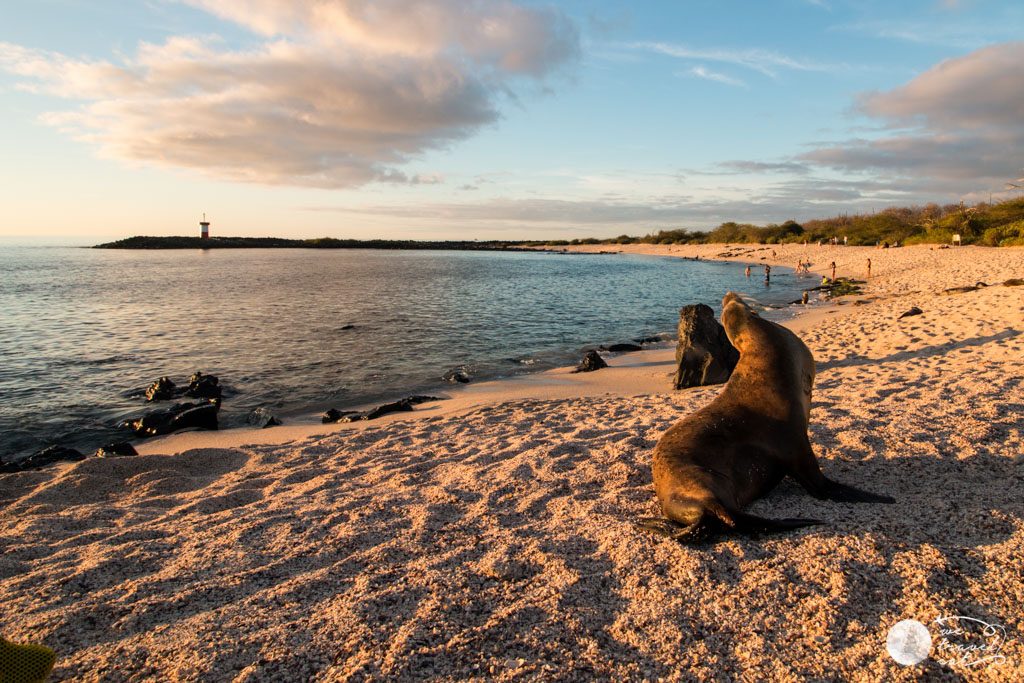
[
  {"x": 491, "y": 535},
  {"x": 998, "y": 224},
  {"x": 183, "y": 242}
]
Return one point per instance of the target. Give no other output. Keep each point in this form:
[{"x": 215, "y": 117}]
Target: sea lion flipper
[
  {"x": 752, "y": 525},
  {"x": 809, "y": 476},
  {"x": 659, "y": 525},
  {"x": 668, "y": 528},
  {"x": 844, "y": 493}
]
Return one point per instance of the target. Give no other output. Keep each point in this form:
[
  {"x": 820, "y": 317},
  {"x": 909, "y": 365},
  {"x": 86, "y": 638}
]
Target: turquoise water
[{"x": 298, "y": 330}]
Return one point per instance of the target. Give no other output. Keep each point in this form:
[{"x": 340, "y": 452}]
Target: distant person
[
  {"x": 767, "y": 273},
  {"x": 869, "y": 267},
  {"x": 747, "y": 271},
  {"x": 833, "y": 267},
  {"x": 846, "y": 240},
  {"x": 805, "y": 297}
]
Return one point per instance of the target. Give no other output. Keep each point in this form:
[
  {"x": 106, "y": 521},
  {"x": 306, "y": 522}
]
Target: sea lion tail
[{"x": 752, "y": 525}]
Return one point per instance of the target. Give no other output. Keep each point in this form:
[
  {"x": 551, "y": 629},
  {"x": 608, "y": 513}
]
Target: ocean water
[{"x": 298, "y": 331}]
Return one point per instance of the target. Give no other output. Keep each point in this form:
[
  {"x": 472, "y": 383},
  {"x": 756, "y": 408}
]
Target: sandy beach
[{"x": 491, "y": 536}]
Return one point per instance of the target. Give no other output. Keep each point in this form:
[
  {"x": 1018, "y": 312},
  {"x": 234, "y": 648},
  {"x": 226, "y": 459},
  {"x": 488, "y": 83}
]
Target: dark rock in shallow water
[
  {"x": 402, "y": 405},
  {"x": 45, "y": 457},
  {"x": 335, "y": 415},
  {"x": 650, "y": 340},
  {"x": 261, "y": 418},
  {"x": 622, "y": 348},
  {"x": 118, "y": 449},
  {"x": 458, "y": 375},
  {"x": 418, "y": 399},
  {"x": 703, "y": 353},
  {"x": 161, "y": 390},
  {"x": 181, "y": 416},
  {"x": 912, "y": 311},
  {"x": 398, "y": 406},
  {"x": 591, "y": 361},
  {"x": 203, "y": 386}
]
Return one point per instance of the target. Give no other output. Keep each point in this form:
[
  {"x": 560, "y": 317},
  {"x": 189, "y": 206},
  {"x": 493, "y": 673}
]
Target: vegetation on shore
[{"x": 993, "y": 225}]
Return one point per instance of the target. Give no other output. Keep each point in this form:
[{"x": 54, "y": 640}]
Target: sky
[{"x": 503, "y": 119}]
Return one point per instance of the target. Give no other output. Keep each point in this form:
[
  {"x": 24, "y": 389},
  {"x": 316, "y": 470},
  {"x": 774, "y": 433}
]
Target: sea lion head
[
  {"x": 770, "y": 348},
  {"x": 736, "y": 319}
]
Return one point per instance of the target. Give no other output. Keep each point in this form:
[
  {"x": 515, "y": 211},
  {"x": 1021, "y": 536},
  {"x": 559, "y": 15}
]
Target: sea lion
[{"x": 713, "y": 463}]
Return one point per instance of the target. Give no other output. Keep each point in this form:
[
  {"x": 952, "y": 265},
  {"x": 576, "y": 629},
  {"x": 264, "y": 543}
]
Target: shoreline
[
  {"x": 560, "y": 382},
  {"x": 499, "y": 542},
  {"x": 628, "y": 374}
]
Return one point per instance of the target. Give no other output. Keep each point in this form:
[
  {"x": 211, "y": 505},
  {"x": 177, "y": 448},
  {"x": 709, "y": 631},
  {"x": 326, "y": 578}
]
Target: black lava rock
[
  {"x": 181, "y": 416},
  {"x": 118, "y": 449},
  {"x": 591, "y": 361},
  {"x": 203, "y": 386},
  {"x": 45, "y": 457},
  {"x": 704, "y": 354},
  {"x": 649, "y": 340},
  {"x": 161, "y": 390},
  {"x": 457, "y": 375},
  {"x": 913, "y": 311},
  {"x": 261, "y": 418},
  {"x": 623, "y": 348}
]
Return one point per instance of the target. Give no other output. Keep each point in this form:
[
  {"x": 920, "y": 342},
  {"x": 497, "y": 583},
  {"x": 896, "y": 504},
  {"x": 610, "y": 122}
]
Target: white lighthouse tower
[{"x": 204, "y": 228}]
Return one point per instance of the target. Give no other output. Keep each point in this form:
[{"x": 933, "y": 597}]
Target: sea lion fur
[{"x": 712, "y": 464}]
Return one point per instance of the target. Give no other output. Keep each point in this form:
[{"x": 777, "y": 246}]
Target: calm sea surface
[{"x": 299, "y": 330}]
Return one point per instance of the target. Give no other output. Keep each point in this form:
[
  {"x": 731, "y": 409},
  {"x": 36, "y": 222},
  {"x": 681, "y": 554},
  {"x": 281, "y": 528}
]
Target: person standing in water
[
  {"x": 747, "y": 271},
  {"x": 767, "y": 273}
]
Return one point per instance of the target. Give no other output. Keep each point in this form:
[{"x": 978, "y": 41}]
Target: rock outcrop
[
  {"x": 623, "y": 348},
  {"x": 116, "y": 450},
  {"x": 201, "y": 415},
  {"x": 703, "y": 353},
  {"x": 203, "y": 386},
  {"x": 45, "y": 457},
  {"x": 591, "y": 361},
  {"x": 161, "y": 390},
  {"x": 261, "y": 418}
]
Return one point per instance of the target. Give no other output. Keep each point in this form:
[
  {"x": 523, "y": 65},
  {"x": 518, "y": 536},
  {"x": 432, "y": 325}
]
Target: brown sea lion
[{"x": 713, "y": 463}]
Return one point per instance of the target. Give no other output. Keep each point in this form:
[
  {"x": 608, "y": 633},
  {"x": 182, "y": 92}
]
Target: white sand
[{"x": 491, "y": 536}]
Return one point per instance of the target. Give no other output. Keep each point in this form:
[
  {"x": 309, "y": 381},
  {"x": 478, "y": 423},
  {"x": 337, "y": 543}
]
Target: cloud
[
  {"x": 799, "y": 199},
  {"x": 701, "y": 72},
  {"x": 763, "y": 61},
  {"x": 741, "y": 166},
  {"x": 962, "y": 35},
  {"x": 499, "y": 33},
  {"x": 959, "y": 123},
  {"x": 336, "y": 94}
]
